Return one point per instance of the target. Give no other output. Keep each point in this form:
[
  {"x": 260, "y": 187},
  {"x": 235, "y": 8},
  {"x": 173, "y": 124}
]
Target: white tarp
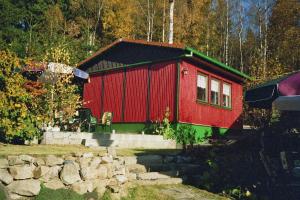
[
  {"x": 59, "y": 68},
  {"x": 288, "y": 103},
  {"x": 51, "y": 74}
]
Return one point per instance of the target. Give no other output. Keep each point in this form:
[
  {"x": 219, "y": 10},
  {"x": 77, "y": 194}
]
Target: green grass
[
  {"x": 9, "y": 149},
  {"x": 153, "y": 192},
  {"x": 146, "y": 193},
  {"x": 40, "y": 150},
  {"x": 2, "y": 193},
  {"x": 60, "y": 194}
]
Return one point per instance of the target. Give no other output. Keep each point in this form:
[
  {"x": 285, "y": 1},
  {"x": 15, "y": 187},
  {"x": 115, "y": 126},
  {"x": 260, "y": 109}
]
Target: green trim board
[
  {"x": 206, "y": 131},
  {"x": 125, "y": 127},
  {"x": 216, "y": 62}
]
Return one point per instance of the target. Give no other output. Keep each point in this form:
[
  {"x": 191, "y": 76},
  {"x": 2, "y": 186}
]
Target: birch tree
[{"x": 171, "y": 29}]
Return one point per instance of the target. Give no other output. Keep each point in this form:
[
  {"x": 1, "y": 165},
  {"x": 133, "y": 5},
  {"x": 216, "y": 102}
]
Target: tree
[
  {"x": 19, "y": 116},
  {"x": 62, "y": 97},
  {"x": 284, "y": 31},
  {"x": 171, "y": 23}
]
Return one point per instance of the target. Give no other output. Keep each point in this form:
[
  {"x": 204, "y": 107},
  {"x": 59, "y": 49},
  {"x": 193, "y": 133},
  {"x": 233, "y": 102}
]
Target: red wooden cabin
[{"x": 138, "y": 80}]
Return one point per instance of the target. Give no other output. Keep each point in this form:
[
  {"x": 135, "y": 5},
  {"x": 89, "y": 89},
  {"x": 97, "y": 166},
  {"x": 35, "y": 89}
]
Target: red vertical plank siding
[
  {"x": 113, "y": 93},
  {"x": 162, "y": 90},
  {"x": 92, "y": 95},
  {"x": 136, "y": 94},
  {"x": 204, "y": 114}
]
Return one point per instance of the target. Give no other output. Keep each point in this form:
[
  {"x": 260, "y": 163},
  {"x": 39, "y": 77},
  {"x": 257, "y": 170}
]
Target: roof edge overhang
[
  {"x": 193, "y": 52},
  {"x": 190, "y": 52},
  {"x": 142, "y": 42}
]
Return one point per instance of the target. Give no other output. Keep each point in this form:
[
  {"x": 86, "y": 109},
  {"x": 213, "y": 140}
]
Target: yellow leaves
[
  {"x": 17, "y": 105},
  {"x": 59, "y": 54},
  {"x": 117, "y": 18},
  {"x": 8, "y": 63},
  {"x": 61, "y": 97}
]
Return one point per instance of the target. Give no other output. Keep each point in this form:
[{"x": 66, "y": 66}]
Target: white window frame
[
  {"x": 206, "y": 87},
  {"x": 218, "y": 92},
  {"x": 228, "y": 94}
]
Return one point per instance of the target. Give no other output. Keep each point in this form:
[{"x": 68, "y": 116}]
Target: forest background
[{"x": 258, "y": 37}]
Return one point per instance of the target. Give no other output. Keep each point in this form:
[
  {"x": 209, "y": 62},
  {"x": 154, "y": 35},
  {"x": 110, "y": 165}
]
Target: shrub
[
  {"x": 19, "y": 117},
  {"x": 186, "y": 134}
]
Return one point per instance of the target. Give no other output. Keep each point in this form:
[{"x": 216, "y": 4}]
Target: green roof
[{"x": 218, "y": 63}]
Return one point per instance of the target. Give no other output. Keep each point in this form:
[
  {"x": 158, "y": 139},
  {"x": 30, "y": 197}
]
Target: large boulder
[
  {"x": 15, "y": 160},
  {"x": 111, "y": 151},
  {"x": 151, "y": 176},
  {"x": 88, "y": 155},
  {"x": 52, "y": 160},
  {"x": 102, "y": 172},
  {"x": 107, "y": 159},
  {"x": 54, "y": 184},
  {"x": 88, "y": 173},
  {"x": 95, "y": 162},
  {"x": 69, "y": 174},
  {"x": 129, "y": 160},
  {"x": 27, "y": 158},
  {"x": 51, "y": 174},
  {"x": 121, "y": 179},
  {"x": 84, "y": 162},
  {"x": 21, "y": 172},
  {"x": 28, "y": 188},
  {"x": 100, "y": 186},
  {"x": 136, "y": 168},
  {"x": 3, "y": 163},
  {"x": 39, "y": 161},
  {"x": 5, "y": 177},
  {"x": 40, "y": 171},
  {"x": 83, "y": 187}
]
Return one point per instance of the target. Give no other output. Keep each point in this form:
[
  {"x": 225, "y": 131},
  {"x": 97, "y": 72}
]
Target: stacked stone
[{"x": 23, "y": 175}]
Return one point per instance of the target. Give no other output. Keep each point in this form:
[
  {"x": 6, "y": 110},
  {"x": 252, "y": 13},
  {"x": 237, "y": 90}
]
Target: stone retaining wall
[{"x": 23, "y": 175}]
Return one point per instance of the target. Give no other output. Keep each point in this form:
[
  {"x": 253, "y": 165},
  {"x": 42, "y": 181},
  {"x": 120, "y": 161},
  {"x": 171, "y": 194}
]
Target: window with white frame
[
  {"x": 202, "y": 86},
  {"x": 215, "y": 92},
  {"x": 226, "y": 95}
]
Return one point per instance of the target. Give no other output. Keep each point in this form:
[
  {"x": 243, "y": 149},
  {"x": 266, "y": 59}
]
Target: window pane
[
  {"x": 215, "y": 90},
  {"x": 215, "y": 85},
  {"x": 202, "y": 87},
  {"x": 226, "y": 95}
]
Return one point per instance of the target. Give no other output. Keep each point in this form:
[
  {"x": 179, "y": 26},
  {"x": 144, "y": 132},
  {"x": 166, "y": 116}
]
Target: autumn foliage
[{"x": 20, "y": 115}]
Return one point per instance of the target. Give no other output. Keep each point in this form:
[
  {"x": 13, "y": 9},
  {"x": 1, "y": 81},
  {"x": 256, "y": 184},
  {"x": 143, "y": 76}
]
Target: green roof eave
[{"x": 218, "y": 63}]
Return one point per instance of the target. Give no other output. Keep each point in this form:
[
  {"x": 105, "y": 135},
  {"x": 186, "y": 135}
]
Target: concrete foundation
[{"x": 109, "y": 140}]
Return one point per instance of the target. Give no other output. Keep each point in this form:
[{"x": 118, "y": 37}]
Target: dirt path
[{"x": 182, "y": 192}]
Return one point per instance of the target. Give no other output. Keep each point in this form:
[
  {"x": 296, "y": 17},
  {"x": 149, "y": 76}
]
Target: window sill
[
  {"x": 202, "y": 102},
  {"x": 213, "y": 105},
  {"x": 221, "y": 107}
]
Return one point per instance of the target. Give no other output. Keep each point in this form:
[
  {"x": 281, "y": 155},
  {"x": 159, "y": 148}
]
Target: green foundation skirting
[
  {"x": 206, "y": 131},
  {"x": 201, "y": 130},
  {"x": 124, "y": 128}
]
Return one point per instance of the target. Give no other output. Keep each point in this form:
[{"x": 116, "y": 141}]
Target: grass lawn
[
  {"x": 158, "y": 192},
  {"x": 9, "y": 149},
  {"x": 2, "y": 193}
]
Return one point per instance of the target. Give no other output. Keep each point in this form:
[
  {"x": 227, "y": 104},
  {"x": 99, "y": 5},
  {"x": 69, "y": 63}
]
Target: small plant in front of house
[
  {"x": 185, "y": 135},
  {"x": 167, "y": 131}
]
